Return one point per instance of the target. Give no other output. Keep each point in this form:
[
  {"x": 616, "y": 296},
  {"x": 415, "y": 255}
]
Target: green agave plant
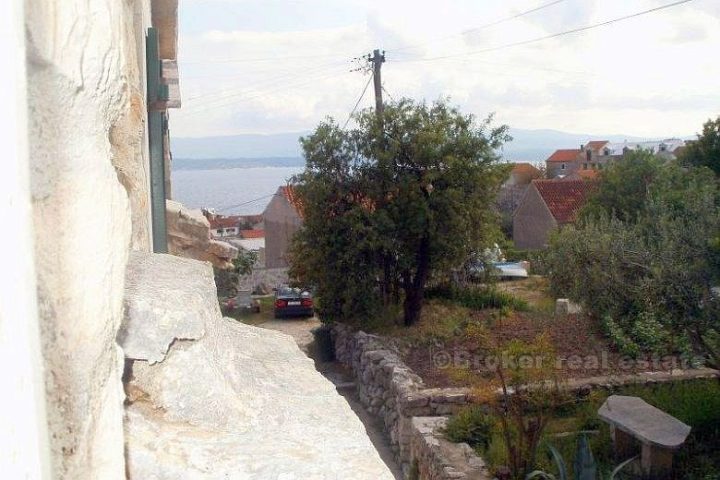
[{"x": 584, "y": 465}]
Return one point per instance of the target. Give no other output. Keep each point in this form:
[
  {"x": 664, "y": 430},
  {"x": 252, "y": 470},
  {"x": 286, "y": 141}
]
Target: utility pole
[{"x": 377, "y": 59}]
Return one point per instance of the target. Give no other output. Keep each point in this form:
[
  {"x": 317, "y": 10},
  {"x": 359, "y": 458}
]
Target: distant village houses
[
  {"x": 283, "y": 217},
  {"x": 597, "y": 154},
  {"x": 232, "y": 225}
]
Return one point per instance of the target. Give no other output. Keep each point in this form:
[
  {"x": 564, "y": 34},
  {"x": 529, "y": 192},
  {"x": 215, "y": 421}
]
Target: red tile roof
[
  {"x": 252, "y": 233},
  {"x": 596, "y": 145},
  {"x": 564, "y": 155},
  {"x": 564, "y": 197},
  {"x": 290, "y": 195},
  {"x": 225, "y": 222},
  {"x": 524, "y": 169}
]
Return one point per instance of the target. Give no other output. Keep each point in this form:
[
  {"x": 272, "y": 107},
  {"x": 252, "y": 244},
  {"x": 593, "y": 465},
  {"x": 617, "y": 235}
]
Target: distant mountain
[
  {"x": 239, "y": 146},
  {"x": 223, "y": 163},
  {"x": 283, "y": 149}
]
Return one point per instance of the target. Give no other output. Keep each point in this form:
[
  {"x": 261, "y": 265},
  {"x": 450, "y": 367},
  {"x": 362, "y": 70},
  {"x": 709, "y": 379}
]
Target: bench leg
[
  {"x": 624, "y": 445},
  {"x": 656, "y": 462}
]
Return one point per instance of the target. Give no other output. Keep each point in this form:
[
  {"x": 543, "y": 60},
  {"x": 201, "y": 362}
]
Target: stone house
[
  {"x": 547, "y": 205},
  {"x": 283, "y": 217},
  {"x": 90, "y": 305}
]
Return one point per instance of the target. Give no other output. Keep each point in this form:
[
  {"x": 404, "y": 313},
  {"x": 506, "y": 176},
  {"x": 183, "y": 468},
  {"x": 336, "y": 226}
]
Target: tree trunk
[{"x": 415, "y": 288}]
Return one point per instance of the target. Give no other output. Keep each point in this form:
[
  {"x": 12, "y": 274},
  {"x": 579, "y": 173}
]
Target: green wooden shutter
[{"x": 157, "y": 94}]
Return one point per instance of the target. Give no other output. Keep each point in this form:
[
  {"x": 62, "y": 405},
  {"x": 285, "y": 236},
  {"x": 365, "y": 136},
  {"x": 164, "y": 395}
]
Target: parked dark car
[{"x": 293, "y": 302}]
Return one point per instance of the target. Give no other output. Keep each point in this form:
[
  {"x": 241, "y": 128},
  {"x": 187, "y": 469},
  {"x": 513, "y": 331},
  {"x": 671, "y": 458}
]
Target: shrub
[
  {"x": 478, "y": 298},
  {"x": 652, "y": 273},
  {"x": 471, "y": 425}
]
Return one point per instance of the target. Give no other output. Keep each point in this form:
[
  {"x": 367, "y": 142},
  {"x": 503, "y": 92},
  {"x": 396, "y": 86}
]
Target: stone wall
[
  {"x": 85, "y": 77},
  {"x": 532, "y": 221},
  {"x": 435, "y": 458},
  {"x": 390, "y": 390},
  {"x": 189, "y": 236},
  {"x": 212, "y": 398},
  {"x": 23, "y": 426}
]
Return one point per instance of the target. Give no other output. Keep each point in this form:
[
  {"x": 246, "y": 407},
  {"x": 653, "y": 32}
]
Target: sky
[{"x": 272, "y": 66}]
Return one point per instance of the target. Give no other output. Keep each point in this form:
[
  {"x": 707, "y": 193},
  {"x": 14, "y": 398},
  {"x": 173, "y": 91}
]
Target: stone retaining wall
[
  {"x": 390, "y": 390},
  {"x": 435, "y": 458}
]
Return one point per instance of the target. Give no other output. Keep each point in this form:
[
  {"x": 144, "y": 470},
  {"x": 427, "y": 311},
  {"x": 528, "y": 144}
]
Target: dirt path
[{"x": 301, "y": 331}]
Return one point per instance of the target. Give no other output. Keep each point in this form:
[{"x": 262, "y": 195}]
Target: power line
[
  {"x": 554, "y": 35},
  {"x": 388, "y": 93},
  {"x": 222, "y": 209},
  {"x": 265, "y": 59},
  {"x": 287, "y": 75},
  {"x": 358, "y": 101},
  {"x": 212, "y": 104},
  {"x": 481, "y": 27}
]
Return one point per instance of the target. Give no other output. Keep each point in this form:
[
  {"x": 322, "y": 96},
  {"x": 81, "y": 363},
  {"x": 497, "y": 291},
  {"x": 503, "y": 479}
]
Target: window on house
[
  {"x": 584, "y": 166},
  {"x": 589, "y": 154},
  {"x": 562, "y": 166}
]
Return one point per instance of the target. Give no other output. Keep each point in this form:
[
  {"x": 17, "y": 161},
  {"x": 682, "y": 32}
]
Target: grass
[
  {"x": 251, "y": 318},
  {"x": 478, "y": 298}
]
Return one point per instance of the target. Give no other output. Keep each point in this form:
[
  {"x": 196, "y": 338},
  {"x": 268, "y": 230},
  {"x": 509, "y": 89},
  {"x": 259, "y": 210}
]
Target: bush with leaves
[
  {"x": 472, "y": 425},
  {"x": 402, "y": 197},
  {"x": 650, "y": 274}
]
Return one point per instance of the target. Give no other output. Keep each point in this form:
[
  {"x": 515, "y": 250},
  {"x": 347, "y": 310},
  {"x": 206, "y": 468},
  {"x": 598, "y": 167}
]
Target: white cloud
[{"x": 654, "y": 75}]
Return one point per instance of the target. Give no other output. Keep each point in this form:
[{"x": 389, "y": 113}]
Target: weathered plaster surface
[
  {"x": 281, "y": 223},
  {"x": 24, "y": 452},
  {"x": 85, "y": 130}
]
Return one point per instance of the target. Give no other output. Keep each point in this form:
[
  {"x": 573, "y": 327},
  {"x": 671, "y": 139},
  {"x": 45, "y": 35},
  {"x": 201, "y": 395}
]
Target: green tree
[
  {"x": 623, "y": 187},
  {"x": 705, "y": 151},
  {"x": 387, "y": 205},
  {"x": 650, "y": 276}
]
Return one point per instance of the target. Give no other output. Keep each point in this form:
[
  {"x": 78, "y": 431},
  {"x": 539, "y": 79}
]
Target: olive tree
[{"x": 403, "y": 196}]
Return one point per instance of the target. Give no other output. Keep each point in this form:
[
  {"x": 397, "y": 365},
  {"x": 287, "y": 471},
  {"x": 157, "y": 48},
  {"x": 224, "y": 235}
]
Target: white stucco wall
[
  {"x": 86, "y": 131},
  {"x": 23, "y": 430}
]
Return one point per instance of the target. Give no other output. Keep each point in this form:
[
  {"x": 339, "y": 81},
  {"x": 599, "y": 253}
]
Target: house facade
[
  {"x": 546, "y": 206},
  {"x": 225, "y": 226},
  {"x": 282, "y": 217}
]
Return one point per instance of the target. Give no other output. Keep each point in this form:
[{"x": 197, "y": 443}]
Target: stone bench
[{"x": 633, "y": 420}]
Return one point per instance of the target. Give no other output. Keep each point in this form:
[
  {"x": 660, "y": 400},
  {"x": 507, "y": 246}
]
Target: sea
[{"x": 241, "y": 191}]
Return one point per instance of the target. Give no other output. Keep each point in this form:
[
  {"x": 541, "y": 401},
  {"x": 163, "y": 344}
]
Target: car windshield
[{"x": 287, "y": 292}]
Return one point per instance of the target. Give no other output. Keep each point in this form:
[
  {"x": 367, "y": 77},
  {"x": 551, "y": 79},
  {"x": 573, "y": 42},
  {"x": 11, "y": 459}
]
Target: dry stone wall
[
  {"x": 435, "y": 458},
  {"x": 413, "y": 415},
  {"x": 391, "y": 391}
]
